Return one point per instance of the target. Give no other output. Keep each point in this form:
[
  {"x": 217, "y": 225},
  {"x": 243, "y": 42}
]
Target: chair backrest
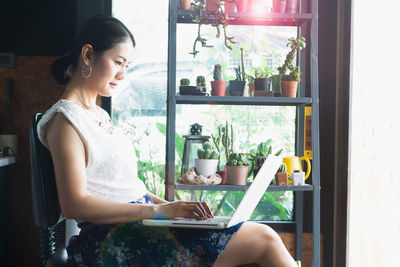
[{"x": 46, "y": 208}]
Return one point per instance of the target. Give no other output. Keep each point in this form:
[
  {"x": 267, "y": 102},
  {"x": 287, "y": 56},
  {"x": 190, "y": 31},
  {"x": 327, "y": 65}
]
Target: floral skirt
[{"x": 133, "y": 244}]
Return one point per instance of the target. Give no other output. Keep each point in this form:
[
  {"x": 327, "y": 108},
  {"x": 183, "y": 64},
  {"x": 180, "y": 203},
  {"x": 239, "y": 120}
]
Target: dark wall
[
  {"x": 40, "y": 28},
  {"x": 37, "y": 31}
]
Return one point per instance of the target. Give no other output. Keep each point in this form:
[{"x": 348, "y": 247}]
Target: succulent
[
  {"x": 282, "y": 168},
  {"x": 217, "y": 72},
  {"x": 287, "y": 71},
  {"x": 260, "y": 154},
  {"x": 201, "y": 81},
  {"x": 207, "y": 152},
  {"x": 238, "y": 159},
  {"x": 185, "y": 81}
]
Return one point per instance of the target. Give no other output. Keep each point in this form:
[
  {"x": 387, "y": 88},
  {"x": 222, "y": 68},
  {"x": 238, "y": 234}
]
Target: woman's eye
[{"x": 118, "y": 63}]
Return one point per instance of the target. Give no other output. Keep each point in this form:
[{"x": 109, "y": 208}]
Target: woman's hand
[{"x": 187, "y": 209}]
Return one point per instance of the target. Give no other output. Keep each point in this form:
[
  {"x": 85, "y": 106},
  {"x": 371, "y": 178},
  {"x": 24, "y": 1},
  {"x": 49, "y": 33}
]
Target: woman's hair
[{"x": 102, "y": 32}]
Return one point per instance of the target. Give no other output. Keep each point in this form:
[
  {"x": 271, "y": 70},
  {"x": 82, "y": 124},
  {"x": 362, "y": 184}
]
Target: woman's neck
[{"x": 82, "y": 96}]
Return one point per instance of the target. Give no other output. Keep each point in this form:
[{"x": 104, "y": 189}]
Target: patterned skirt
[{"x": 133, "y": 244}]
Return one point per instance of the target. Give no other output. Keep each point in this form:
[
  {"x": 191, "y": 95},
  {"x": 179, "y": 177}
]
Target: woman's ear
[{"x": 87, "y": 54}]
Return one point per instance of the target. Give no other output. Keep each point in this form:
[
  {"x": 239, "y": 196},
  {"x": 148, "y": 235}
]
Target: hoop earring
[{"x": 84, "y": 69}]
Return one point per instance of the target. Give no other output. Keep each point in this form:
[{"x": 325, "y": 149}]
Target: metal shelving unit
[{"x": 307, "y": 24}]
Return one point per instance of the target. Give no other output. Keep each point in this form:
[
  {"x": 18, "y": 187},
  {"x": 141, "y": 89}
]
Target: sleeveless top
[{"x": 111, "y": 171}]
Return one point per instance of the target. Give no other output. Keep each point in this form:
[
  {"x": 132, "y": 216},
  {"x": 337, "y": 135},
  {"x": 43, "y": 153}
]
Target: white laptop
[{"x": 244, "y": 210}]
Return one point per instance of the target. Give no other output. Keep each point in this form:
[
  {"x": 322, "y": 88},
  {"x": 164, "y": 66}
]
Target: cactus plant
[
  {"x": 217, "y": 141},
  {"x": 185, "y": 81},
  {"x": 227, "y": 139},
  {"x": 206, "y": 152},
  {"x": 217, "y": 72},
  {"x": 201, "y": 81},
  {"x": 287, "y": 71},
  {"x": 237, "y": 159},
  {"x": 282, "y": 168}
]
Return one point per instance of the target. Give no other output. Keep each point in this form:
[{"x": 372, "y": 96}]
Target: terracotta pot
[
  {"x": 282, "y": 178},
  {"x": 230, "y": 7},
  {"x": 237, "y": 175},
  {"x": 211, "y": 5},
  {"x": 289, "y": 88},
  {"x": 218, "y": 88},
  {"x": 251, "y": 89},
  {"x": 223, "y": 176},
  {"x": 292, "y": 6},
  {"x": 244, "y": 5},
  {"x": 185, "y": 4}
]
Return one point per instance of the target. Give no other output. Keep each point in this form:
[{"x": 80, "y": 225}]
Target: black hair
[{"x": 102, "y": 32}]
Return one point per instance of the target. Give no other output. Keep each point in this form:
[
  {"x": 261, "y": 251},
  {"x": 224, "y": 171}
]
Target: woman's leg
[{"x": 255, "y": 244}]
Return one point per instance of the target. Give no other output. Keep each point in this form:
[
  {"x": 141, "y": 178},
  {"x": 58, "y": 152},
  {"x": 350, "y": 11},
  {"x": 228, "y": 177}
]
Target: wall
[
  {"x": 34, "y": 90},
  {"x": 374, "y": 199}
]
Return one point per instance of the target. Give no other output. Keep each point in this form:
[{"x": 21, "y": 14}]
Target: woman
[{"x": 96, "y": 175}]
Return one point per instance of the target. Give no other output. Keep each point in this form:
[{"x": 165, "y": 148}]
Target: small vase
[
  {"x": 218, "y": 88},
  {"x": 223, "y": 176},
  {"x": 237, "y": 175},
  {"x": 185, "y": 4},
  {"x": 289, "y": 88},
  {"x": 282, "y": 178},
  {"x": 292, "y": 6},
  {"x": 244, "y": 5},
  {"x": 251, "y": 89},
  {"x": 211, "y": 5}
]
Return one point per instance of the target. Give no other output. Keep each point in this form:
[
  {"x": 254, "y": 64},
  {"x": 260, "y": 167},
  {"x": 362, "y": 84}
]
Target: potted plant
[
  {"x": 211, "y": 5},
  {"x": 236, "y": 87},
  {"x": 218, "y": 86},
  {"x": 185, "y": 4},
  {"x": 186, "y": 89},
  {"x": 250, "y": 80},
  {"x": 217, "y": 140},
  {"x": 201, "y": 81},
  {"x": 262, "y": 81},
  {"x": 259, "y": 155},
  {"x": 281, "y": 176},
  {"x": 207, "y": 161},
  {"x": 290, "y": 74},
  {"x": 237, "y": 169}
]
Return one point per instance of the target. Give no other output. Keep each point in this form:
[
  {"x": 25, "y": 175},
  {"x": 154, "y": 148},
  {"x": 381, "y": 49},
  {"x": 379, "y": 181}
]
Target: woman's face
[{"x": 109, "y": 68}]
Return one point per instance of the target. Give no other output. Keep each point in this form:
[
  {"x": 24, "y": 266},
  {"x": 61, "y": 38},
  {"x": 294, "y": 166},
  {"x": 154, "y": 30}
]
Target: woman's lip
[{"x": 113, "y": 84}]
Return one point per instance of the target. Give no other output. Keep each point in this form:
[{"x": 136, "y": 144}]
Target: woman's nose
[{"x": 120, "y": 74}]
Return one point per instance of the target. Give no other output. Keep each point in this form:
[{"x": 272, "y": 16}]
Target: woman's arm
[
  {"x": 69, "y": 159},
  {"x": 156, "y": 199}
]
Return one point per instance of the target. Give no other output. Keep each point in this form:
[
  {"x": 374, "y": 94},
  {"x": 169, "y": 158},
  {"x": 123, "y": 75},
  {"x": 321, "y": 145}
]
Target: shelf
[
  {"x": 181, "y": 186},
  {"x": 242, "y": 18},
  {"x": 243, "y": 100}
]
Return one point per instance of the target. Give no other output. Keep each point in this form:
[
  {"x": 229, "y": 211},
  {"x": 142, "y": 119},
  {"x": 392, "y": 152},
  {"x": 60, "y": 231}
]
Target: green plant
[
  {"x": 287, "y": 71},
  {"x": 217, "y": 72},
  {"x": 238, "y": 159},
  {"x": 198, "y": 7},
  {"x": 250, "y": 78},
  {"x": 261, "y": 72},
  {"x": 217, "y": 143},
  {"x": 239, "y": 71},
  {"x": 221, "y": 19},
  {"x": 259, "y": 155},
  {"x": 201, "y": 81},
  {"x": 227, "y": 139},
  {"x": 207, "y": 152},
  {"x": 282, "y": 168},
  {"x": 185, "y": 81}
]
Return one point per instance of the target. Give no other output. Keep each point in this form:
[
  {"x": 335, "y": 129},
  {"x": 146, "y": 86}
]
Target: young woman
[{"x": 96, "y": 175}]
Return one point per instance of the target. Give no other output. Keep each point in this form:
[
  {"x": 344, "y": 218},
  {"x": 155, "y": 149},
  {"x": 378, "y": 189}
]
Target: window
[{"x": 139, "y": 107}]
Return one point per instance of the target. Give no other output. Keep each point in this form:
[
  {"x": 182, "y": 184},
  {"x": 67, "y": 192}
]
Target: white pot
[{"x": 206, "y": 167}]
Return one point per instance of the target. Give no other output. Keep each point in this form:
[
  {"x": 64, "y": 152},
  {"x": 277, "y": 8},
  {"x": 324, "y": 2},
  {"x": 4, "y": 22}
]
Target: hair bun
[{"x": 59, "y": 69}]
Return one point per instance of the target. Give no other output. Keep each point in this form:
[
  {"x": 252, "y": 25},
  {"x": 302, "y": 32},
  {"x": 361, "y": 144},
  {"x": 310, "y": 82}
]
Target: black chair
[{"x": 46, "y": 208}]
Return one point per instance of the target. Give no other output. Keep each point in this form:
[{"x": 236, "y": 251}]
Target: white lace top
[{"x": 111, "y": 172}]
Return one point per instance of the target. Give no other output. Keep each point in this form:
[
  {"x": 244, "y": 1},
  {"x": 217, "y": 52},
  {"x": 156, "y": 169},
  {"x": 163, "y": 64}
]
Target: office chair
[{"x": 46, "y": 208}]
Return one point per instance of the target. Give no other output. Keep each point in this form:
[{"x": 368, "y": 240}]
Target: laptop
[{"x": 244, "y": 210}]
